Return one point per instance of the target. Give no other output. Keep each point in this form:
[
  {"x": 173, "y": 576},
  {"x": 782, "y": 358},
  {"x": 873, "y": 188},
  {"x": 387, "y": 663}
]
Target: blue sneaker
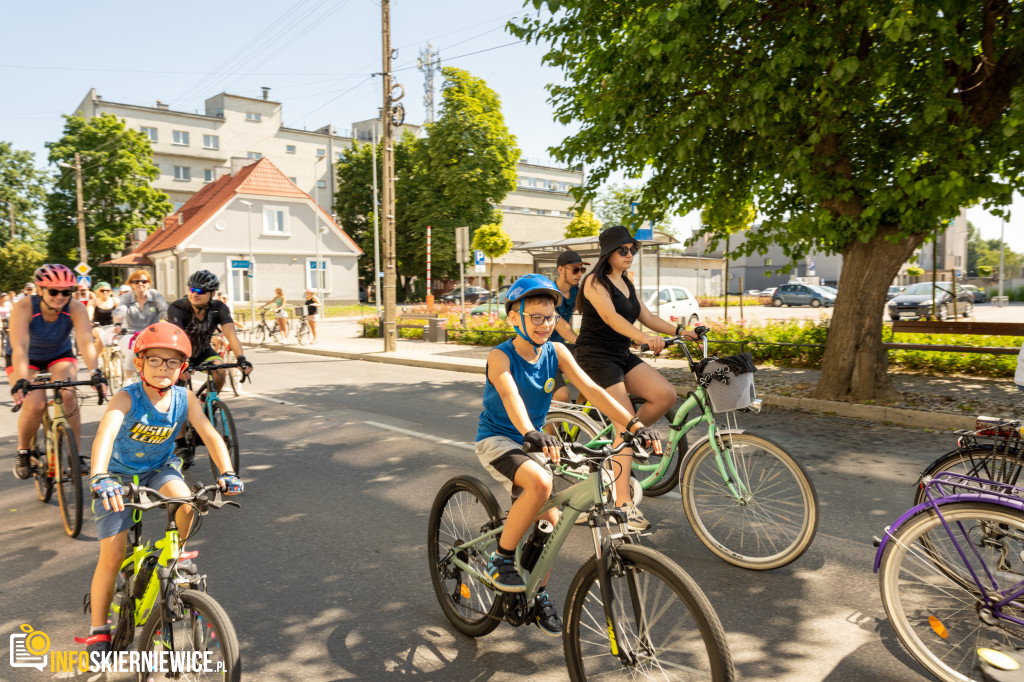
[
  {"x": 503, "y": 573},
  {"x": 546, "y": 615}
]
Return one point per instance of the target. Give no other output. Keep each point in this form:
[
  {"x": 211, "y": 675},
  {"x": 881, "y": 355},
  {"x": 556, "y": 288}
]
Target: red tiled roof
[
  {"x": 133, "y": 258},
  {"x": 260, "y": 178}
]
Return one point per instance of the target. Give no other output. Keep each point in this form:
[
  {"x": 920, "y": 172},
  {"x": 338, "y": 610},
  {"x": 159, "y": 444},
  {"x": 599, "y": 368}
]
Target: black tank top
[
  {"x": 594, "y": 331},
  {"x": 103, "y": 316},
  {"x": 310, "y": 308}
]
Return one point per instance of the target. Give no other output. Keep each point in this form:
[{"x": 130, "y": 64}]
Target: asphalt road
[{"x": 323, "y": 570}]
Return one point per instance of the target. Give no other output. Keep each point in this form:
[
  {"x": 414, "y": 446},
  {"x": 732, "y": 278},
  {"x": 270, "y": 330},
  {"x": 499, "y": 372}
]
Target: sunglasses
[
  {"x": 172, "y": 363},
  {"x": 578, "y": 269},
  {"x": 59, "y": 292},
  {"x": 631, "y": 250},
  {"x": 538, "y": 320},
  {"x": 140, "y": 281},
  {"x": 198, "y": 291}
]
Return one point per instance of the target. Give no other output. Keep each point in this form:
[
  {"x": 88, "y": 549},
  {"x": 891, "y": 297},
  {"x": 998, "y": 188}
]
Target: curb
[{"x": 875, "y": 413}]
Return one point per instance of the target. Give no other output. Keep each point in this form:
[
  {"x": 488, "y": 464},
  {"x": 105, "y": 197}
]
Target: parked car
[
  {"x": 753, "y": 292},
  {"x": 765, "y": 297},
  {"x": 979, "y": 294},
  {"x": 802, "y": 294},
  {"x": 676, "y": 304},
  {"x": 473, "y": 295},
  {"x": 894, "y": 291},
  {"x": 916, "y": 301},
  {"x": 487, "y": 307}
]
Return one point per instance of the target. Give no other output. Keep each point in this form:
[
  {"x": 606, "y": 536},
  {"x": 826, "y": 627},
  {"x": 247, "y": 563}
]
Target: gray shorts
[
  {"x": 110, "y": 523},
  {"x": 502, "y": 457}
]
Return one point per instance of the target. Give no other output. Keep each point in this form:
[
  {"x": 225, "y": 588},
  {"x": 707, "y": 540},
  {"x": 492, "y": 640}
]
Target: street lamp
[
  {"x": 252, "y": 267},
  {"x": 316, "y": 217}
]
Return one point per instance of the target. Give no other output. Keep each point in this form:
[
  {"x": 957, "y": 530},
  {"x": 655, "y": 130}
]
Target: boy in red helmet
[{"x": 135, "y": 443}]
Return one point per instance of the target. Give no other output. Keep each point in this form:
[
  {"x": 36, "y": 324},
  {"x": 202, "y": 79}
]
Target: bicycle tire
[
  {"x": 303, "y": 334},
  {"x": 923, "y": 603},
  {"x": 233, "y": 373},
  {"x": 206, "y": 628},
  {"x": 669, "y": 477},
  {"x": 42, "y": 479},
  {"x": 225, "y": 424},
  {"x": 645, "y": 582},
  {"x": 260, "y": 335},
  {"x": 983, "y": 461},
  {"x": 746, "y": 533},
  {"x": 461, "y": 509},
  {"x": 69, "y": 480}
]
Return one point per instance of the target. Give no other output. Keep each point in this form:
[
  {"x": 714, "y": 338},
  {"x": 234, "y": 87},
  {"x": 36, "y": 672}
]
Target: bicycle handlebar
[
  {"x": 198, "y": 495},
  {"x": 57, "y": 385},
  {"x": 577, "y": 452},
  {"x": 209, "y": 367}
]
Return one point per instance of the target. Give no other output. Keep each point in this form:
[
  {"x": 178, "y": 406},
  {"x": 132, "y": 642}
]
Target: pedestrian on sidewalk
[
  {"x": 570, "y": 271},
  {"x": 277, "y": 304},
  {"x": 311, "y": 310}
]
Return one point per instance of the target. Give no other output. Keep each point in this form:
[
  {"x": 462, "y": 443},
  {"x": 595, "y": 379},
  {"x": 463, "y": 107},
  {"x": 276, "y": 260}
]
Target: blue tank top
[
  {"x": 535, "y": 382},
  {"x": 49, "y": 339},
  {"x": 146, "y": 437}
]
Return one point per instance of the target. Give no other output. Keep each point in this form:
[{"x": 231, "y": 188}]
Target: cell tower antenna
[{"x": 428, "y": 62}]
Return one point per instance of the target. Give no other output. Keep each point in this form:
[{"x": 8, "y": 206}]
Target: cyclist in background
[
  {"x": 102, "y": 315},
  {"x": 570, "y": 270},
  {"x": 200, "y": 314},
  {"x": 40, "y": 331},
  {"x": 140, "y": 307},
  {"x": 133, "y": 443}
]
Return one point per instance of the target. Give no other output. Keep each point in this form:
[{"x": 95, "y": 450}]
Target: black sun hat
[
  {"x": 614, "y": 237},
  {"x": 569, "y": 257}
]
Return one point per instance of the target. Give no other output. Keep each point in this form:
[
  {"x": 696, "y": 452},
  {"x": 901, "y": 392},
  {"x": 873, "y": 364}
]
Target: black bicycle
[{"x": 218, "y": 414}]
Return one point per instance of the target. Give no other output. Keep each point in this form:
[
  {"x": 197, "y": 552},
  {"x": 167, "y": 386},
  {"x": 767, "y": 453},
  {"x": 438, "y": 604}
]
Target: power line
[{"x": 172, "y": 73}]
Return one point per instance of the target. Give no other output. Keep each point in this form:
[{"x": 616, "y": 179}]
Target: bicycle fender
[
  {"x": 1004, "y": 501},
  {"x": 704, "y": 439}
]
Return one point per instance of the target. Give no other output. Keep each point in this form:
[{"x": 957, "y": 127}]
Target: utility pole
[
  {"x": 83, "y": 254},
  {"x": 390, "y": 275},
  {"x": 376, "y": 236}
]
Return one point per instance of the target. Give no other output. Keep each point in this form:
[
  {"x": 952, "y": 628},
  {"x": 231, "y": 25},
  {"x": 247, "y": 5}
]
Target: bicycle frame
[
  {"x": 170, "y": 547},
  {"x": 949, "y": 488},
  {"x": 50, "y": 424}
]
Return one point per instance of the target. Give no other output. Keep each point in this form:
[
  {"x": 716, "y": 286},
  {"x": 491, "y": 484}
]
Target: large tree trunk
[{"x": 854, "y": 364}]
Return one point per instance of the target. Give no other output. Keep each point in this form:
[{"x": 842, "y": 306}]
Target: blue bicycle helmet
[{"x": 523, "y": 288}]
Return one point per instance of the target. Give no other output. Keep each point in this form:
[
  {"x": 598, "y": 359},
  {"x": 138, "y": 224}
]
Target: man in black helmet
[{"x": 200, "y": 314}]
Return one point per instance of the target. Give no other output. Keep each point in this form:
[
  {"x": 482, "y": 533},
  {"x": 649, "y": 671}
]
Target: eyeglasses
[
  {"x": 538, "y": 320},
  {"x": 59, "y": 292},
  {"x": 140, "y": 281},
  {"x": 577, "y": 270},
  {"x": 631, "y": 250},
  {"x": 198, "y": 291},
  {"x": 103, "y": 291},
  {"x": 154, "y": 362}
]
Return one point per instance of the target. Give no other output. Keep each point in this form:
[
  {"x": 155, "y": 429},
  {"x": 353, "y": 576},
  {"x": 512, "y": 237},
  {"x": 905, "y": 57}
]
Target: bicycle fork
[{"x": 606, "y": 565}]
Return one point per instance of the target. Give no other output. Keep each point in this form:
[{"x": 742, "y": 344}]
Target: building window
[
  {"x": 525, "y": 182},
  {"x": 314, "y": 273},
  {"x": 541, "y": 211},
  {"x": 321, "y": 184},
  {"x": 182, "y": 173},
  {"x": 275, "y": 220},
  {"x": 338, "y": 156},
  {"x": 252, "y": 116},
  {"x": 207, "y": 175},
  {"x": 254, "y": 155},
  {"x": 290, "y": 148},
  {"x": 211, "y": 141},
  {"x": 321, "y": 152},
  {"x": 148, "y": 132},
  {"x": 240, "y": 280},
  {"x": 180, "y": 137},
  {"x": 524, "y": 210}
]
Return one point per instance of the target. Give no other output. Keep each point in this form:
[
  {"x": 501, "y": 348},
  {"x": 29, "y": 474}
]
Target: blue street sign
[
  {"x": 958, "y": 273},
  {"x": 645, "y": 233},
  {"x": 87, "y": 281},
  {"x": 240, "y": 264},
  {"x": 478, "y": 257},
  {"x": 323, "y": 266}
]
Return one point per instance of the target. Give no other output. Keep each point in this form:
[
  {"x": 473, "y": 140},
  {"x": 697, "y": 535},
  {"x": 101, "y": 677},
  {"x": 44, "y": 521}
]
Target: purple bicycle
[{"x": 951, "y": 573}]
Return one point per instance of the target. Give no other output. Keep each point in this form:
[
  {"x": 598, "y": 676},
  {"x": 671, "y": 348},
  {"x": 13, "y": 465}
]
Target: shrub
[{"x": 480, "y": 330}]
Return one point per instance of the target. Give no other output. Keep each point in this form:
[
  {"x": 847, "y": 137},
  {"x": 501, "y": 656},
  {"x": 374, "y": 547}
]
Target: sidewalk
[{"x": 926, "y": 401}]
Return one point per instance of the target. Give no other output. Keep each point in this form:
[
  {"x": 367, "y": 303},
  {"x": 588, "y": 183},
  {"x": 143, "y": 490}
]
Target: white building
[{"x": 255, "y": 210}]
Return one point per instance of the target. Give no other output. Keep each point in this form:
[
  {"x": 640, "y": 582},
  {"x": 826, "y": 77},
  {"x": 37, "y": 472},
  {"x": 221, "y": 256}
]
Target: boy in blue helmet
[{"x": 517, "y": 394}]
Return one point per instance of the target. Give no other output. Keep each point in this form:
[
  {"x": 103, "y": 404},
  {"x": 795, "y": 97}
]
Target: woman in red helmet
[
  {"x": 40, "y": 328},
  {"x": 135, "y": 443}
]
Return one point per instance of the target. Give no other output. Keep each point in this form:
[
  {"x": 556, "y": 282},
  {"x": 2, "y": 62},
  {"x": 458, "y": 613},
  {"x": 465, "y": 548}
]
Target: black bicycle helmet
[{"x": 204, "y": 279}]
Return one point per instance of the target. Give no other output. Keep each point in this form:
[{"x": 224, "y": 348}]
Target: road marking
[
  {"x": 423, "y": 436},
  {"x": 277, "y": 401}
]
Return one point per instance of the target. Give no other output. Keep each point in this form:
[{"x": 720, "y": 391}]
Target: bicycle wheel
[
  {"x": 225, "y": 425},
  {"x": 260, "y": 335},
  {"x": 1002, "y": 466},
  {"x": 205, "y": 630},
  {"x": 303, "y": 334},
  {"x": 936, "y": 615},
  {"x": 463, "y": 509},
  {"x": 114, "y": 370},
  {"x": 44, "y": 484},
  {"x": 69, "y": 480},
  {"x": 234, "y": 374},
  {"x": 665, "y": 623},
  {"x": 772, "y": 524}
]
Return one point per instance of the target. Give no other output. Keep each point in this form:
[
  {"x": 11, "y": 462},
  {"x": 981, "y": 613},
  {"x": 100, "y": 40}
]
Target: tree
[
  {"x": 614, "y": 206},
  {"x": 117, "y": 167},
  {"x": 18, "y": 261},
  {"x": 467, "y": 164},
  {"x": 22, "y": 193},
  {"x": 728, "y": 216},
  {"x": 858, "y": 126},
  {"x": 583, "y": 224},
  {"x": 494, "y": 242}
]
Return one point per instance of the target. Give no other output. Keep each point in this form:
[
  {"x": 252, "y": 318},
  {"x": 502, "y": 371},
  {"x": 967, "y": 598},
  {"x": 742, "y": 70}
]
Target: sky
[{"x": 316, "y": 56}]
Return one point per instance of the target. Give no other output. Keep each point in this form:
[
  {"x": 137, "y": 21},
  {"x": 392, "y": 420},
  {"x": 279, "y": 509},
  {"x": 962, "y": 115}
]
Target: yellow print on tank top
[{"x": 144, "y": 433}]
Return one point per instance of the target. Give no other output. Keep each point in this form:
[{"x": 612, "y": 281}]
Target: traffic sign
[
  {"x": 240, "y": 264},
  {"x": 87, "y": 281},
  {"x": 478, "y": 261},
  {"x": 645, "y": 234},
  {"x": 83, "y": 269}
]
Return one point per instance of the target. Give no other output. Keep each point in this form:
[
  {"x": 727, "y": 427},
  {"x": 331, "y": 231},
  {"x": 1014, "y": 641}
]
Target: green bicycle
[
  {"x": 748, "y": 500},
  {"x": 631, "y": 611},
  {"x": 159, "y": 589}
]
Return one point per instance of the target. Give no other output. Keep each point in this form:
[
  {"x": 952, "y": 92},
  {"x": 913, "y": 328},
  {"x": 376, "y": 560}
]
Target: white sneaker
[{"x": 634, "y": 518}]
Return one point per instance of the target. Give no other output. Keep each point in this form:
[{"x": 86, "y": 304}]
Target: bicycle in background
[
  {"x": 218, "y": 414},
  {"x": 263, "y": 331},
  {"x": 303, "y": 332}
]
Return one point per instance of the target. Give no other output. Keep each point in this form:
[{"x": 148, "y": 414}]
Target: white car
[{"x": 676, "y": 304}]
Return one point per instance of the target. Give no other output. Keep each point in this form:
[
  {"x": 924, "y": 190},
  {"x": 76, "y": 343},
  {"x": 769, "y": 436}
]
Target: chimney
[
  {"x": 266, "y": 91},
  {"x": 162, "y": 105},
  {"x": 220, "y": 171},
  {"x": 181, "y": 218}
]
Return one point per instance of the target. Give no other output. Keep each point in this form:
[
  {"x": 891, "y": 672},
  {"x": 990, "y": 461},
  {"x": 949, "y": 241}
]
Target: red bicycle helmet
[
  {"x": 163, "y": 335},
  {"x": 54, "y": 275}
]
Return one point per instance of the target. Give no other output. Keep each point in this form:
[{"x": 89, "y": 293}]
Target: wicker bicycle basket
[{"x": 735, "y": 395}]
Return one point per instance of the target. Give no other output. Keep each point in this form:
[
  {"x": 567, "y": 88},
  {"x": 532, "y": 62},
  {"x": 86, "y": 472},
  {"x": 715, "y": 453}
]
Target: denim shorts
[
  {"x": 110, "y": 523},
  {"x": 502, "y": 457}
]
